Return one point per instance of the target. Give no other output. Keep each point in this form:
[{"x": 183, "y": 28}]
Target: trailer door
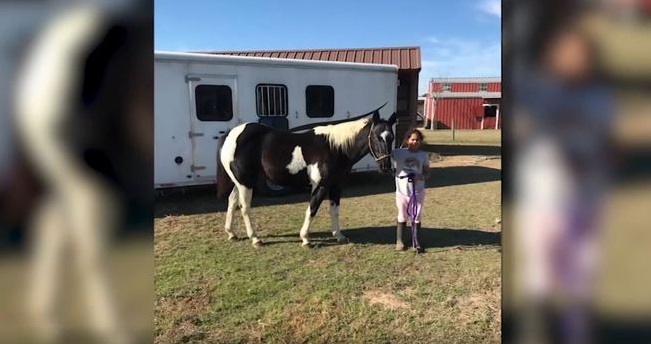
[{"x": 213, "y": 111}]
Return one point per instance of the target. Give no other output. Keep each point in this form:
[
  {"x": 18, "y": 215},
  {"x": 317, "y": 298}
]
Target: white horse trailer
[{"x": 198, "y": 97}]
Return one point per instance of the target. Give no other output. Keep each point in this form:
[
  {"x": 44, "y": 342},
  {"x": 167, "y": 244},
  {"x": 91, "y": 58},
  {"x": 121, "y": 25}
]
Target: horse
[
  {"x": 82, "y": 118},
  {"x": 321, "y": 157}
]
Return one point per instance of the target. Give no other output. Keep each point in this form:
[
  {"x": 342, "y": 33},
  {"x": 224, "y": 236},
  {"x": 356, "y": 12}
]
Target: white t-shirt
[{"x": 406, "y": 162}]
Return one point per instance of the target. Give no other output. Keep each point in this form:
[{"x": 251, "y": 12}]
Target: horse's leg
[
  {"x": 318, "y": 195},
  {"x": 94, "y": 210},
  {"x": 50, "y": 232},
  {"x": 245, "y": 195},
  {"x": 232, "y": 204},
  {"x": 335, "y": 196}
]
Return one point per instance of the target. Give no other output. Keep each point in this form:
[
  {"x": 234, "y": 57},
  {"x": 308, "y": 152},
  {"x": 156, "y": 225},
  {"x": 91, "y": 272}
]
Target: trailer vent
[{"x": 271, "y": 100}]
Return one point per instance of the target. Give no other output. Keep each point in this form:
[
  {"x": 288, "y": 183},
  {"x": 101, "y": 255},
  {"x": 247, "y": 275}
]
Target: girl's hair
[{"x": 408, "y": 135}]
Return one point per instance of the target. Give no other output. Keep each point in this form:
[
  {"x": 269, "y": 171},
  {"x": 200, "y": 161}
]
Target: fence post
[
  {"x": 452, "y": 128},
  {"x": 433, "y": 111},
  {"x": 497, "y": 117}
]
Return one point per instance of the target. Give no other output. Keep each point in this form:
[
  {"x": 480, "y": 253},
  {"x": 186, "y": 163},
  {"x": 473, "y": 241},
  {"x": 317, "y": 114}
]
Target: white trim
[
  {"x": 167, "y": 56},
  {"x": 466, "y": 79},
  {"x": 467, "y": 95}
]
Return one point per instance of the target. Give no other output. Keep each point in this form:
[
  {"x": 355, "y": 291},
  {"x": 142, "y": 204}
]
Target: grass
[
  {"x": 129, "y": 264},
  {"x": 463, "y": 137},
  {"x": 210, "y": 290}
]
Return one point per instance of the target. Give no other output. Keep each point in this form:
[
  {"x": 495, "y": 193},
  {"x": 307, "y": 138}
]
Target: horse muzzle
[{"x": 384, "y": 165}]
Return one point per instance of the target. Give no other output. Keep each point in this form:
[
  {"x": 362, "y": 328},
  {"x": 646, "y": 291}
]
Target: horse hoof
[
  {"x": 232, "y": 238},
  {"x": 419, "y": 250},
  {"x": 306, "y": 245},
  {"x": 343, "y": 241},
  {"x": 258, "y": 244},
  {"x": 400, "y": 247}
]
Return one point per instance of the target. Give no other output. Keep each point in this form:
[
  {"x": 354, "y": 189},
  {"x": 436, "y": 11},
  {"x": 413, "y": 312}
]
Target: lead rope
[{"x": 412, "y": 209}]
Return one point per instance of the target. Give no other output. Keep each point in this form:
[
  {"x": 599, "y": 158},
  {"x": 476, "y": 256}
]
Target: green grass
[
  {"x": 463, "y": 137},
  {"x": 210, "y": 290},
  {"x": 129, "y": 264}
]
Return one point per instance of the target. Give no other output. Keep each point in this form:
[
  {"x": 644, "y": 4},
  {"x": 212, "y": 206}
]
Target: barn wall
[
  {"x": 494, "y": 87},
  {"x": 407, "y": 103},
  {"x": 466, "y": 112},
  {"x": 489, "y": 123},
  {"x": 464, "y": 87}
]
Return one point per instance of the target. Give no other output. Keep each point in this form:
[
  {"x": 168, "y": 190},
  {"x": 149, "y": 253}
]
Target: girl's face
[
  {"x": 569, "y": 56},
  {"x": 413, "y": 143}
]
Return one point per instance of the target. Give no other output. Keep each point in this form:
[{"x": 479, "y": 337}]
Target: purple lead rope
[{"x": 412, "y": 210}]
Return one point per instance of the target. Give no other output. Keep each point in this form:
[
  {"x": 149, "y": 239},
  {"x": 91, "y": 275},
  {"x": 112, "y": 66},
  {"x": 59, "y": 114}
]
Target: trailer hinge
[
  {"x": 192, "y": 134},
  {"x": 192, "y": 78},
  {"x": 197, "y": 168}
]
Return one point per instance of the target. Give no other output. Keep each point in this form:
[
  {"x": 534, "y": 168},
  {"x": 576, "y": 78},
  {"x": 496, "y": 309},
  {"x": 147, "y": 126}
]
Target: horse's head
[{"x": 380, "y": 140}]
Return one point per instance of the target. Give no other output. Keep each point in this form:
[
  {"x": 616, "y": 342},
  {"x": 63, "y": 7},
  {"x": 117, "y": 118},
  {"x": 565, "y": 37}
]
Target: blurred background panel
[
  {"x": 577, "y": 239},
  {"x": 76, "y": 157}
]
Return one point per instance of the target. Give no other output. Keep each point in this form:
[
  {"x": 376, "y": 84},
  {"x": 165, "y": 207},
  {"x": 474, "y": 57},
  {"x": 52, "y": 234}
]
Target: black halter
[{"x": 370, "y": 146}]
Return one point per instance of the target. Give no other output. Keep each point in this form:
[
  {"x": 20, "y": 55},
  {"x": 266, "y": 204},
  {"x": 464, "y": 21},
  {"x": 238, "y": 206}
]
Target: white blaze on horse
[{"x": 321, "y": 157}]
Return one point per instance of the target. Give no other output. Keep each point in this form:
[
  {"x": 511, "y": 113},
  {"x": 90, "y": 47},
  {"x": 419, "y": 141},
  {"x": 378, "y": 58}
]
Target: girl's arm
[{"x": 426, "y": 172}]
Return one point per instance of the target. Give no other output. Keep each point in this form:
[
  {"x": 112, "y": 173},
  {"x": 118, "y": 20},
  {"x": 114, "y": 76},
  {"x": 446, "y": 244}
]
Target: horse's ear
[
  {"x": 376, "y": 116},
  {"x": 392, "y": 119}
]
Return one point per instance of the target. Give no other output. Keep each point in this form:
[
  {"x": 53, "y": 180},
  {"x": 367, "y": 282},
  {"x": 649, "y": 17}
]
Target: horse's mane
[
  {"x": 314, "y": 125},
  {"x": 342, "y": 135}
]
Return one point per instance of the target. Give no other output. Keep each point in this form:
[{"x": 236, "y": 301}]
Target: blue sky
[{"x": 457, "y": 38}]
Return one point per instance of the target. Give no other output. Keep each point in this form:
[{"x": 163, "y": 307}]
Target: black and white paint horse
[{"x": 321, "y": 157}]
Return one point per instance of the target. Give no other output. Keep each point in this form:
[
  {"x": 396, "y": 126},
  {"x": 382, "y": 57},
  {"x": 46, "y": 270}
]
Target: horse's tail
[{"x": 224, "y": 183}]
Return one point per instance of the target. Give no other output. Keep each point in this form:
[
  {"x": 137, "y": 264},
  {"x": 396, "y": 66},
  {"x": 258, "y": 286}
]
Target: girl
[{"x": 412, "y": 169}]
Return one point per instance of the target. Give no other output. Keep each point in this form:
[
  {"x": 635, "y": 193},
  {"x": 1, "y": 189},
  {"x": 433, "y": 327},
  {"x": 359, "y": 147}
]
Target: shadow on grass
[
  {"x": 428, "y": 237},
  {"x": 203, "y": 200},
  {"x": 370, "y": 183},
  {"x": 452, "y": 149}
]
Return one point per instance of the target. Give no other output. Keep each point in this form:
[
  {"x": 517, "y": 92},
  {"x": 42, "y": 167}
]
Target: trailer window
[
  {"x": 446, "y": 87},
  {"x": 271, "y": 100},
  {"x": 483, "y": 87},
  {"x": 319, "y": 101},
  {"x": 214, "y": 102}
]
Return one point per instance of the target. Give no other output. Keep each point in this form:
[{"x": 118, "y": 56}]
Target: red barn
[{"x": 469, "y": 103}]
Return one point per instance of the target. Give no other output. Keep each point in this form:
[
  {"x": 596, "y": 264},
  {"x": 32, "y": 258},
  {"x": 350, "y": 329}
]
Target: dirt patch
[
  {"x": 483, "y": 306},
  {"x": 435, "y": 157},
  {"x": 468, "y": 160},
  {"x": 187, "y": 311},
  {"x": 388, "y": 301},
  {"x": 305, "y": 321},
  {"x": 184, "y": 332}
]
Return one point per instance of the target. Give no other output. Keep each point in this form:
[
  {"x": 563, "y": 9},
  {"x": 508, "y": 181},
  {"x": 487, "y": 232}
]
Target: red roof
[{"x": 406, "y": 58}]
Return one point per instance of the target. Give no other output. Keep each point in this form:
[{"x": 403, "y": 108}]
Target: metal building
[{"x": 465, "y": 103}]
